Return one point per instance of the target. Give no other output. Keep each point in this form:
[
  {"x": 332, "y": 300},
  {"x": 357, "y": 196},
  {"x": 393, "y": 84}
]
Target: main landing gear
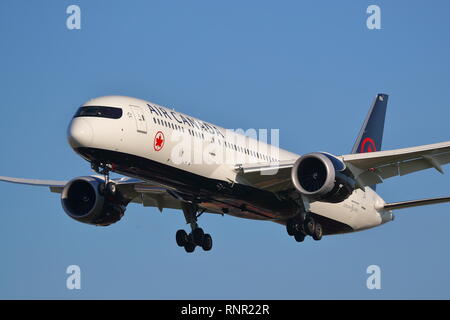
[
  {"x": 197, "y": 237},
  {"x": 300, "y": 228}
]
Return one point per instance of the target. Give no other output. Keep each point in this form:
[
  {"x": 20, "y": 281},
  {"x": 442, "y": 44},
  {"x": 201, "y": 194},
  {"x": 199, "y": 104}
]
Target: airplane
[{"x": 153, "y": 148}]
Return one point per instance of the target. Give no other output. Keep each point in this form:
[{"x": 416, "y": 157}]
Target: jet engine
[
  {"x": 322, "y": 177},
  {"x": 85, "y": 200}
]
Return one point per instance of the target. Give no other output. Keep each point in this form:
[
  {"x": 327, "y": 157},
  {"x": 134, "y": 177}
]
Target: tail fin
[{"x": 371, "y": 135}]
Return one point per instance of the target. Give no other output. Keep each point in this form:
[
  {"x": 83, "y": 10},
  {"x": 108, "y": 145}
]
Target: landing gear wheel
[
  {"x": 101, "y": 188},
  {"x": 189, "y": 247},
  {"x": 299, "y": 236},
  {"x": 182, "y": 238},
  {"x": 290, "y": 228},
  {"x": 207, "y": 242},
  {"x": 318, "y": 232},
  {"x": 309, "y": 225},
  {"x": 111, "y": 188},
  {"x": 197, "y": 236}
]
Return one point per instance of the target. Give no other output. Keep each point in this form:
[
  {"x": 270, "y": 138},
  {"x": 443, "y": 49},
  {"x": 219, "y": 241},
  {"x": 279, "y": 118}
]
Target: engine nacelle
[
  {"x": 322, "y": 177},
  {"x": 82, "y": 201}
]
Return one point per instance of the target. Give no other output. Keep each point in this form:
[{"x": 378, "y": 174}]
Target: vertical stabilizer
[{"x": 370, "y": 137}]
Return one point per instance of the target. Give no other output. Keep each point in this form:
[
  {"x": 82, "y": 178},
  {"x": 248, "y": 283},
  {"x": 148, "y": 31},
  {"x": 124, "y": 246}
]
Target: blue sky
[{"x": 309, "y": 68}]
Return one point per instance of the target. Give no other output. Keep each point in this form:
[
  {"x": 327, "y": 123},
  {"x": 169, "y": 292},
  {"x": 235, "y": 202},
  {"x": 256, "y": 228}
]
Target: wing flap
[
  {"x": 267, "y": 176},
  {"x": 150, "y": 195}
]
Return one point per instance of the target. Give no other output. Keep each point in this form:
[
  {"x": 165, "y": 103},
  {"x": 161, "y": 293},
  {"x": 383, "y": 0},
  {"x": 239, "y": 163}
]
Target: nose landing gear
[
  {"x": 197, "y": 237},
  {"x": 107, "y": 187}
]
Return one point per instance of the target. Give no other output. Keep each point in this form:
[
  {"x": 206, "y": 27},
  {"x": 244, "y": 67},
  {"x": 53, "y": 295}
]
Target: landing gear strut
[
  {"x": 108, "y": 187},
  {"x": 100, "y": 168},
  {"x": 299, "y": 228},
  {"x": 197, "y": 237}
]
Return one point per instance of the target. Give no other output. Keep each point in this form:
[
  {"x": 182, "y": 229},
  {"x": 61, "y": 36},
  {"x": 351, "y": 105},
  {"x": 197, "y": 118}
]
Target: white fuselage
[{"x": 149, "y": 131}]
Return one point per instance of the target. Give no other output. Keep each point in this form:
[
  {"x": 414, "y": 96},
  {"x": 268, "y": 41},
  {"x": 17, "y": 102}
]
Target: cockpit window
[{"x": 98, "y": 111}]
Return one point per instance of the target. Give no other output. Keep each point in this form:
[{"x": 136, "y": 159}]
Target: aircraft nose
[{"x": 79, "y": 133}]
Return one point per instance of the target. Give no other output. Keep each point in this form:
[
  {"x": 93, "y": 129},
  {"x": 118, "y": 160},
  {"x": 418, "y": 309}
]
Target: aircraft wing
[
  {"x": 375, "y": 167},
  {"x": 54, "y": 185},
  {"x": 149, "y": 195},
  {"x": 368, "y": 168}
]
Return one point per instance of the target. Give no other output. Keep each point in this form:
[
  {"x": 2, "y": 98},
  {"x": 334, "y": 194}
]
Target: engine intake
[
  {"x": 82, "y": 201},
  {"x": 322, "y": 177}
]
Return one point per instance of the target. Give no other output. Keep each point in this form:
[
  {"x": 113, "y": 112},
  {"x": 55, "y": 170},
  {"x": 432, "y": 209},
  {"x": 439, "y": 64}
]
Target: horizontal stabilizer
[{"x": 415, "y": 203}]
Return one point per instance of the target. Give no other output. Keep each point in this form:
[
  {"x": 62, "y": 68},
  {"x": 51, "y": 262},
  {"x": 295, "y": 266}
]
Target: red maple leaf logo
[{"x": 159, "y": 141}]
